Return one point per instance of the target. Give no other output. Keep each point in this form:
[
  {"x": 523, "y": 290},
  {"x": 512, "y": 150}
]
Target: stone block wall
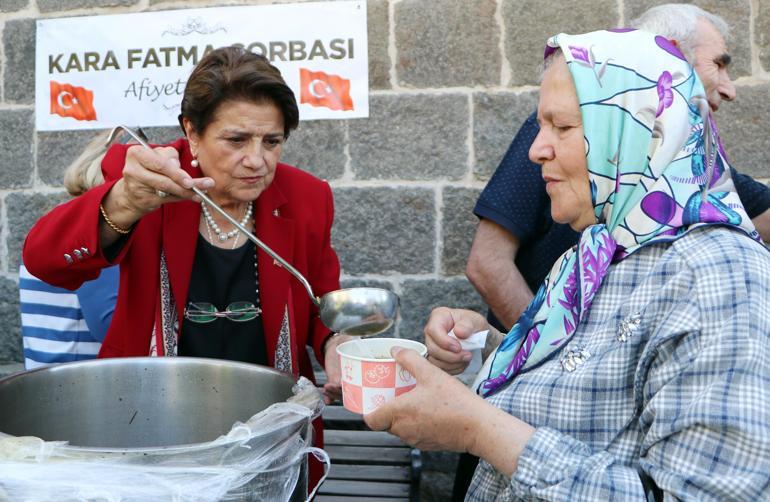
[{"x": 451, "y": 81}]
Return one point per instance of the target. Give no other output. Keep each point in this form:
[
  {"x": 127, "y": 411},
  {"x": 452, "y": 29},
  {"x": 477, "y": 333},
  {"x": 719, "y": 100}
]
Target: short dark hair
[{"x": 233, "y": 73}]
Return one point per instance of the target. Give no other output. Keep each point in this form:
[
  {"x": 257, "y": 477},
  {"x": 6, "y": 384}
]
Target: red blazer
[{"x": 293, "y": 216}]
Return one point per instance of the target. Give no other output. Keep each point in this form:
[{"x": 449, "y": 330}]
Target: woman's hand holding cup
[{"x": 440, "y": 413}]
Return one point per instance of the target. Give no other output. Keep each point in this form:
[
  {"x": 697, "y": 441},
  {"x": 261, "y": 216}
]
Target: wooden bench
[{"x": 366, "y": 465}]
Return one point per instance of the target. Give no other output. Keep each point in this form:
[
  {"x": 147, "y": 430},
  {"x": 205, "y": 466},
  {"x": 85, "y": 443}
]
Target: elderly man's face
[{"x": 711, "y": 62}]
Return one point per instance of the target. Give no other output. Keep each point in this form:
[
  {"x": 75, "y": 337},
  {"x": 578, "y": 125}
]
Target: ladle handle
[
  {"x": 253, "y": 238},
  {"x": 264, "y": 247}
]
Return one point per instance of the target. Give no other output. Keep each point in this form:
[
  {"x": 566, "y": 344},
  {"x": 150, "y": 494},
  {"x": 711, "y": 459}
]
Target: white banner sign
[{"x": 101, "y": 71}]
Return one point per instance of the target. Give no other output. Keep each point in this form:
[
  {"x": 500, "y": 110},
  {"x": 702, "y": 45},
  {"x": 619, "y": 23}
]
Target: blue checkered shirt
[{"x": 670, "y": 374}]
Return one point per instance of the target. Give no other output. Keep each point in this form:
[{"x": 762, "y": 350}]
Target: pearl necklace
[
  {"x": 210, "y": 223},
  {"x": 224, "y": 236}
]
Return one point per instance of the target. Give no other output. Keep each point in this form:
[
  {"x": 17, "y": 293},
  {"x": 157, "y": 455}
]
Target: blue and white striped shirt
[
  {"x": 58, "y": 325},
  {"x": 670, "y": 376}
]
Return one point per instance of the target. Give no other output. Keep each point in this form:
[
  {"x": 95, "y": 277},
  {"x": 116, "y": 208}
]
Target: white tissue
[{"x": 474, "y": 343}]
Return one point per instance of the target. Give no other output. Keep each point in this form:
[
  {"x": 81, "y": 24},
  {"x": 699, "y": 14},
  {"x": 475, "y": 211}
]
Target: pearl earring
[{"x": 194, "y": 163}]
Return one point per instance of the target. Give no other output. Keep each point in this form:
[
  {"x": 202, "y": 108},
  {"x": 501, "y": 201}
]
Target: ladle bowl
[
  {"x": 353, "y": 311},
  {"x": 359, "y": 311}
]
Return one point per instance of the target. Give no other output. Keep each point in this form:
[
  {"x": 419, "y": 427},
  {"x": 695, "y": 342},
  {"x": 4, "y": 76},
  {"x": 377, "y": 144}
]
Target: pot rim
[{"x": 115, "y": 361}]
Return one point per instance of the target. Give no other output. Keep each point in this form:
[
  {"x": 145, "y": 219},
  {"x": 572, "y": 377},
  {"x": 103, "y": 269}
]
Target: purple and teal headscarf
[{"x": 656, "y": 167}]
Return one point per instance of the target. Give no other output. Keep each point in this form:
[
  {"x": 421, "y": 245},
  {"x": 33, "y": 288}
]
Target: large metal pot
[{"x": 113, "y": 406}]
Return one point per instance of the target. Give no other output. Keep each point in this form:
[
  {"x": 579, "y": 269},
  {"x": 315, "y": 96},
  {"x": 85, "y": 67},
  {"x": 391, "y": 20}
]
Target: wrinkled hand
[
  {"x": 444, "y": 351},
  {"x": 332, "y": 390},
  {"x": 147, "y": 171},
  {"x": 440, "y": 413}
]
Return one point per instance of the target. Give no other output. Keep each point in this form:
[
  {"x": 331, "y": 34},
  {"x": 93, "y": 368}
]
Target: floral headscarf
[{"x": 657, "y": 169}]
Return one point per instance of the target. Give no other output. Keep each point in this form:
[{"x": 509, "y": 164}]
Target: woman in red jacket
[{"x": 190, "y": 283}]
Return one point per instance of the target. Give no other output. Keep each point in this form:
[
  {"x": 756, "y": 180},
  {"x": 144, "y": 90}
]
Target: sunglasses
[{"x": 201, "y": 312}]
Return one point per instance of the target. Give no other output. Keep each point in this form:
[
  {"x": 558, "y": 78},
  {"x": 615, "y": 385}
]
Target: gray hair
[
  {"x": 679, "y": 22},
  {"x": 555, "y": 55}
]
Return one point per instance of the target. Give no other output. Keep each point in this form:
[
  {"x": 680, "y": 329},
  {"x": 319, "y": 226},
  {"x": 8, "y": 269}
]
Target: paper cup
[{"x": 369, "y": 382}]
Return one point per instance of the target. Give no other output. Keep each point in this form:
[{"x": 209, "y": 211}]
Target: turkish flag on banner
[
  {"x": 321, "y": 89},
  {"x": 70, "y": 101}
]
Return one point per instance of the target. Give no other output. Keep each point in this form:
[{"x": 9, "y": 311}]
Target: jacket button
[
  {"x": 77, "y": 254},
  {"x": 85, "y": 251},
  {"x": 68, "y": 258}
]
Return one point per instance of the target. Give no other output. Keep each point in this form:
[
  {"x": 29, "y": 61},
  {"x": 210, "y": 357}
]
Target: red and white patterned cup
[{"x": 370, "y": 376}]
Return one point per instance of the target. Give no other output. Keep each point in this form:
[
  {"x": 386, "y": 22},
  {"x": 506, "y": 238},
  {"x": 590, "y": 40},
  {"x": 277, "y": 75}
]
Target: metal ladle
[{"x": 353, "y": 311}]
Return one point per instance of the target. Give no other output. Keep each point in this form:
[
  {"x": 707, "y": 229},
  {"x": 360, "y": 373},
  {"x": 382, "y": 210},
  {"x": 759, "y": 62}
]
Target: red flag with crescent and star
[
  {"x": 71, "y": 101},
  {"x": 322, "y": 89}
]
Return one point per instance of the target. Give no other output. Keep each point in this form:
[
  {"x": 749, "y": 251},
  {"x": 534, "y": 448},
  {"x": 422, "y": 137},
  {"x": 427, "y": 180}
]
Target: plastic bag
[{"x": 257, "y": 460}]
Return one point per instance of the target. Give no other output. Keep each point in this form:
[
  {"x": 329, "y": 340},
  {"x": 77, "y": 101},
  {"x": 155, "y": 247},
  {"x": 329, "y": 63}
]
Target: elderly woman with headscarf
[{"x": 641, "y": 365}]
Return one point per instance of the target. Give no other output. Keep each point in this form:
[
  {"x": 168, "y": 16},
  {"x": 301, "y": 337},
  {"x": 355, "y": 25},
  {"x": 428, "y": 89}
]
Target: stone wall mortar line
[
  {"x": 30, "y": 11},
  {"x": 347, "y": 173},
  {"x": 397, "y": 183},
  {"x": 141, "y": 6},
  {"x": 514, "y": 91},
  {"x": 4, "y": 233},
  {"x": 81, "y": 12},
  {"x": 15, "y": 106},
  {"x": 392, "y": 279},
  {"x": 42, "y": 190},
  {"x": 438, "y": 247},
  {"x": 505, "y": 66},
  {"x": 399, "y": 290},
  {"x": 35, "y": 171},
  {"x": 756, "y": 63},
  {"x": 412, "y": 91},
  {"x": 392, "y": 49},
  {"x": 3, "y": 63},
  {"x": 469, "y": 142},
  {"x": 752, "y": 81},
  {"x": 621, "y": 12},
  {"x": 203, "y": 4},
  {"x": 399, "y": 277},
  {"x": 176, "y": 5},
  {"x": 753, "y": 48}
]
